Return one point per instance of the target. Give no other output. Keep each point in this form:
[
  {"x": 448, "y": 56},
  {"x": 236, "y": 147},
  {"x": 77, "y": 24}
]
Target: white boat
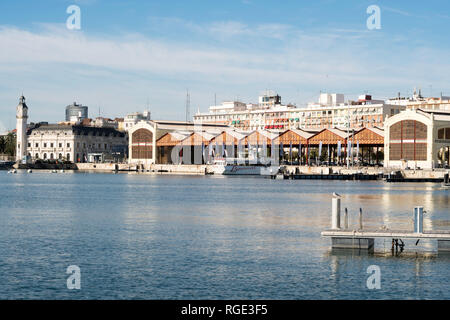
[
  {"x": 12, "y": 171},
  {"x": 250, "y": 170},
  {"x": 229, "y": 166}
]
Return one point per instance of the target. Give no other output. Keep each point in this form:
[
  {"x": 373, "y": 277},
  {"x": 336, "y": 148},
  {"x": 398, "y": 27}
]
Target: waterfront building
[
  {"x": 21, "y": 129},
  {"x": 417, "y": 139},
  {"x": 76, "y": 113},
  {"x": 144, "y": 134},
  {"x": 75, "y": 143},
  {"x": 66, "y": 141},
  {"x": 329, "y": 112},
  {"x": 297, "y": 146}
]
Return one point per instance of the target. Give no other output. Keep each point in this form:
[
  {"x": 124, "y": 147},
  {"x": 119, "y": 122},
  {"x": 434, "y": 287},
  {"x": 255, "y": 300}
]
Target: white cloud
[{"x": 56, "y": 66}]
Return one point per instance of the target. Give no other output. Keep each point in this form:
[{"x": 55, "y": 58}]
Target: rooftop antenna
[{"x": 188, "y": 105}]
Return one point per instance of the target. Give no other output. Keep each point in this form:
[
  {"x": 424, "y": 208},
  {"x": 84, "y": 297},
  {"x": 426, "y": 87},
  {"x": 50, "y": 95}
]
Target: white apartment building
[
  {"x": 133, "y": 118},
  {"x": 330, "y": 111}
]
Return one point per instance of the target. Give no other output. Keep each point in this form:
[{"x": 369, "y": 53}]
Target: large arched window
[
  {"x": 408, "y": 141},
  {"x": 142, "y": 144}
]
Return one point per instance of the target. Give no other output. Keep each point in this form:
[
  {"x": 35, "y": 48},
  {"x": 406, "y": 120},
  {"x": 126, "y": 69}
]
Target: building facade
[
  {"x": 417, "y": 139},
  {"x": 142, "y": 147},
  {"x": 73, "y": 143},
  {"x": 131, "y": 119},
  {"x": 67, "y": 141},
  {"x": 330, "y": 112}
]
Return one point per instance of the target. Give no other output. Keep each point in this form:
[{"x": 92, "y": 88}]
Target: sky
[{"x": 132, "y": 55}]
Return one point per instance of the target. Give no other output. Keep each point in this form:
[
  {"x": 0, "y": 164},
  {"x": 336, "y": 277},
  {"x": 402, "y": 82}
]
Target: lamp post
[{"x": 348, "y": 132}]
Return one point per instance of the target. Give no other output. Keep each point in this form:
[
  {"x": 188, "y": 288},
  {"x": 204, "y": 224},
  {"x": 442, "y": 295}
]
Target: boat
[
  {"x": 12, "y": 171},
  {"x": 29, "y": 171},
  {"x": 225, "y": 168}
]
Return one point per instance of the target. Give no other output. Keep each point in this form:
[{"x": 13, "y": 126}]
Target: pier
[{"x": 343, "y": 237}]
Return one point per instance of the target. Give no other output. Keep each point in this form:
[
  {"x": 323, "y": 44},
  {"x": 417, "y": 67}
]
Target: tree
[
  {"x": 8, "y": 144},
  {"x": 2, "y": 144}
]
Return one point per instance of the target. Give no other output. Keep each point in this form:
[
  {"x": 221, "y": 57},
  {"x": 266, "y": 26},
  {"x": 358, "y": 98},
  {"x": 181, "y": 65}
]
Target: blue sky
[{"x": 128, "y": 52}]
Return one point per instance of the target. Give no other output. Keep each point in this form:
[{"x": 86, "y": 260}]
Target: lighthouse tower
[{"x": 21, "y": 127}]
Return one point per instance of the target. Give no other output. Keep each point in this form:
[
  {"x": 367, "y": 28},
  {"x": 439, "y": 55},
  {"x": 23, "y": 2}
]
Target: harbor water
[{"x": 142, "y": 236}]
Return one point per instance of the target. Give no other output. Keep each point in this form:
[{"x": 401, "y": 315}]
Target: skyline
[{"x": 128, "y": 53}]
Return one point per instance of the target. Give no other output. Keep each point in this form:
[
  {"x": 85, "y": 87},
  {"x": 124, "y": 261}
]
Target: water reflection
[{"x": 166, "y": 237}]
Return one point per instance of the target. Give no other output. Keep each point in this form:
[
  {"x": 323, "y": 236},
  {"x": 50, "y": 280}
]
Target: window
[
  {"x": 36, "y": 145},
  {"x": 407, "y": 141},
  {"x": 60, "y": 145},
  {"x": 51, "y": 145},
  {"x": 444, "y": 133},
  {"x": 68, "y": 157},
  {"x": 29, "y": 145},
  {"x": 68, "y": 145},
  {"x": 45, "y": 145}
]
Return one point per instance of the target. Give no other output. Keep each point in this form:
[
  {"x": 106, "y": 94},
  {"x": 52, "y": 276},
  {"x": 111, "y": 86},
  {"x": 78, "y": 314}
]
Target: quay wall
[
  {"x": 105, "y": 167},
  {"x": 180, "y": 169},
  {"x": 203, "y": 169}
]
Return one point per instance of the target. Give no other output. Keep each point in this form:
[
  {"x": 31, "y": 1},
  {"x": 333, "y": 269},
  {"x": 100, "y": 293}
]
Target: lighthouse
[{"x": 21, "y": 128}]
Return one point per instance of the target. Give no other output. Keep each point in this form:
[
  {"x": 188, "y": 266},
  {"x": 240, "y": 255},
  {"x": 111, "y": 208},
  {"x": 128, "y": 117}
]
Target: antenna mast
[{"x": 188, "y": 105}]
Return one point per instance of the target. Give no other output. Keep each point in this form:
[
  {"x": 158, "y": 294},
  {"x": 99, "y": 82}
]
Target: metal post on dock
[
  {"x": 336, "y": 212},
  {"x": 418, "y": 220},
  {"x": 360, "y": 219}
]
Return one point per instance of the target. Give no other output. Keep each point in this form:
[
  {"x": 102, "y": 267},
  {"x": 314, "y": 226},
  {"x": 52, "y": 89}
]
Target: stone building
[
  {"x": 74, "y": 143},
  {"x": 67, "y": 141}
]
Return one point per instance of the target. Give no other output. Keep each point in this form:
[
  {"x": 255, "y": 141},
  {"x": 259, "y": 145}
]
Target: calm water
[{"x": 197, "y": 237}]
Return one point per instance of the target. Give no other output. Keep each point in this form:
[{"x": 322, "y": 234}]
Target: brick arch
[
  {"x": 408, "y": 141},
  {"x": 142, "y": 144}
]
